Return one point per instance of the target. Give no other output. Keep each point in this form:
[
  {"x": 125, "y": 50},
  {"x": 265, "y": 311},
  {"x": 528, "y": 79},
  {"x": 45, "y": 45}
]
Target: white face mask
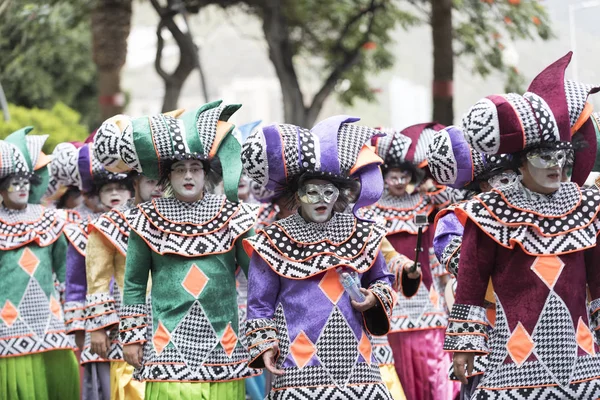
[
  {"x": 17, "y": 194},
  {"x": 113, "y": 195},
  {"x": 187, "y": 180},
  {"x": 148, "y": 188},
  {"x": 547, "y": 178},
  {"x": 317, "y": 199}
]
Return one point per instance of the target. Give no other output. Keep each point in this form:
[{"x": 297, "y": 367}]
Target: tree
[
  {"x": 189, "y": 57},
  {"x": 479, "y": 34},
  {"x": 111, "y": 23},
  {"x": 46, "y": 56}
]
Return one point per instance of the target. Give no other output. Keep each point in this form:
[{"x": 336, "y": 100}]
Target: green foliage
[
  {"x": 61, "y": 123},
  {"x": 484, "y": 27},
  {"x": 45, "y": 56}
]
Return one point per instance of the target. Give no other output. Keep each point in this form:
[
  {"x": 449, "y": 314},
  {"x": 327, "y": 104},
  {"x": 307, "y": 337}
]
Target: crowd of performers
[{"x": 180, "y": 257}]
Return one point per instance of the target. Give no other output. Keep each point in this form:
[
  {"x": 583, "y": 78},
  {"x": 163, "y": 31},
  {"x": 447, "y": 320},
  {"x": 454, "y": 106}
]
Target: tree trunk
[
  {"x": 443, "y": 61},
  {"x": 111, "y": 23},
  {"x": 172, "y": 93},
  {"x": 281, "y": 54}
]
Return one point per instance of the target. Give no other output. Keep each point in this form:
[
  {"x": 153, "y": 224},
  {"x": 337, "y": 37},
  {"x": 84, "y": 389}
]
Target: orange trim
[
  {"x": 189, "y": 223},
  {"x": 366, "y": 156},
  {"x": 417, "y": 329},
  {"x": 42, "y": 161},
  {"x": 258, "y": 329},
  {"x": 512, "y": 242},
  {"x": 105, "y": 326},
  {"x": 137, "y": 341},
  {"x": 99, "y": 315},
  {"x": 74, "y": 309},
  {"x": 583, "y": 117},
  {"x": 75, "y": 319},
  {"x": 164, "y": 363},
  {"x": 321, "y": 241},
  {"x": 318, "y": 272},
  {"x": 133, "y": 316},
  {"x": 467, "y": 334},
  {"x": 98, "y": 303},
  {"x": 16, "y": 336},
  {"x": 218, "y": 381},
  {"x": 450, "y": 258},
  {"x": 316, "y": 386},
  {"x": 481, "y": 353},
  {"x": 389, "y": 322},
  {"x": 231, "y": 363},
  {"x": 421, "y": 199},
  {"x": 468, "y": 320},
  {"x": 40, "y": 351},
  {"x": 467, "y": 375},
  {"x": 223, "y": 127},
  {"x": 537, "y": 386}
]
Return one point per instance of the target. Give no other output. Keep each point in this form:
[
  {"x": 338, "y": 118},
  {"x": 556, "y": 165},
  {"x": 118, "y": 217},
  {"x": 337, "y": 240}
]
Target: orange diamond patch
[
  {"x": 585, "y": 339},
  {"x": 519, "y": 345},
  {"x": 548, "y": 269},
  {"x": 55, "y": 308},
  {"x": 161, "y": 338},
  {"x": 365, "y": 349},
  {"x": 229, "y": 340},
  {"x": 302, "y": 349},
  {"x": 29, "y": 261},
  {"x": 331, "y": 286},
  {"x": 195, "y": 281},
  {"x": 9, "y": 313}
]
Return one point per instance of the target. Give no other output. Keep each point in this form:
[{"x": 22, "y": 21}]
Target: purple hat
[
  {"x": 277, "y": 155},
  {"x": 408, "y": 145},
  {"x": 454, "y": 163}
]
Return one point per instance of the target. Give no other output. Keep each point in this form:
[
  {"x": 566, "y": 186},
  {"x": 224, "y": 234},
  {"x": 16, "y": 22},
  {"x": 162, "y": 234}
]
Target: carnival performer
[
  {"x": 418, "y": 320},
  {"x": 102, "y": 190},
  {"x": 302, "y": 325},
  {"x": 191, "y": 243},
  {"x": 36, "y": 355},
  {"x": 454, "y": 163},
  {"x": 536, "y": 240}
]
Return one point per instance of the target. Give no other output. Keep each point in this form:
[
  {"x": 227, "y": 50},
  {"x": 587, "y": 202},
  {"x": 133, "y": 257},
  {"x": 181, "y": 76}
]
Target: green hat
[{"x": 122, "y": 144}]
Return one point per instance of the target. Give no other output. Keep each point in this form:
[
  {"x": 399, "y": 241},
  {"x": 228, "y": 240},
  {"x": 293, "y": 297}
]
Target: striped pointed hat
[
  {"x": 145, "y": 144},
  {"x": 278, "y": 155}
]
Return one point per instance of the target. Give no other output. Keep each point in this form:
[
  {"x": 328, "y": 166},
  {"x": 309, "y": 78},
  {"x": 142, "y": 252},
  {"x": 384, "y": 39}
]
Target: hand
[
  {"x": 370, "y": 301},
  {"x": 269, "y": 358},
  {"x": 414, "y": 274},
  {"x": 132, "y": 353},
  {"x": 460, "y": 360},
  {"x": 100, "y": 342},
  {"x": 80, "y": 339}
]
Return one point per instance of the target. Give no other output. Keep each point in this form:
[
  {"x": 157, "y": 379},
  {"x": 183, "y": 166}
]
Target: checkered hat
[
  {"x": 73, "y": 166},
  {"x": 409, "y": 145},
  {"x": 454, "y": 163},
  {"x": 547, "y": 113},
  {"x": 277, "y": 155},
  {"x": 142, "y": 144}
]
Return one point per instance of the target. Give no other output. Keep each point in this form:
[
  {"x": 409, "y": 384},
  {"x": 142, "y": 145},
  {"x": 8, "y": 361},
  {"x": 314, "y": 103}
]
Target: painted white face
[
  {"x": 187, "y": 180},
  {"x": 244, "y": 188},
  {"x": 17, "y": 194},
  {"x": 396, "y": 181},
  {"x": 547, "y": 178},
  {"x": 317, "y": 199},
  {"x": 148, "y": 189},
  {"x": 114, "y": 195}
]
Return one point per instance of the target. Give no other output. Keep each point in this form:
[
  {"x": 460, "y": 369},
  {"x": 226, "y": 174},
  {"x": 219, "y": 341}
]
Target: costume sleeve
[
  {"x": 243, "y": 260},
  {"x": 134, "y": 324},
  {"x": 467, "y": 324},
  {"x": 593, "y": 281},
  {"x": 75, "y": 289},
  {"x": 379, "y": 281},
  {"x": 446, "y": 242},
  {"x": 100, "y": 304},
  {"x": 263, "y": 291},
  {"x": 59, "y": 263}
]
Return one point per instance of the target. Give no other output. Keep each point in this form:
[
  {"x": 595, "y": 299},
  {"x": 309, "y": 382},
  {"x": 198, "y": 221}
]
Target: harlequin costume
[
  {"x": 36, "y": 355},
  {"x": 542, "y": 345},
  {"x": 295, "y": 300},
  {"x": 454, "y": 163},
  {"x": 416, "y": 334},
  {"x": 191, "y": 347}
]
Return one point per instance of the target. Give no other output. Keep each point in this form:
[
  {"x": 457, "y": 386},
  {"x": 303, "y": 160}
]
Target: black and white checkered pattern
[
  {"x": 43, "y": 232},
  {"x": 399, "y": 213},
  {"x": 351, "y": 138},
  {"x": 177, "y": 130},
  {"x": 74, "y": 316},
  {"x": 359, "y": 392},
  {"x": 254, "y": 158},
  {"x": 546, "y": 126},
  {"x": 499, "y": 336},
  {"x": 310, "y": 156},
  {"x": 101, "y": 311},
  {"x": 161, "y": 137},
  {"x": 441, "y": 160},
  {"x": 168, "y": 213},
  {"x": 289, "y": 136},
  {"x": 482, "y": 127},
  {"x": 527, "y": 116},
  {"x": 340, "y": 228},
  {"x": 317, "y": 375},
  {"x": 382, "y": 350},
  {"x": 526, "y": 226},
  {"x": 194, "y": 337},
  {"x": 451, "y": 255},
  {"x": 282, "y": 334},
  {"x": 417, "y": 312},
  {"x": 207, "y": 126},
  {"x": 569, "y": 193},
  {"x": 34, "y": 308},
  {"x": 554, "y": 338},
  {"x": 358, "y": 258},
  {"x": 217, "y": 239},
  {"x": 577, "y": 94},
  {"x": 261, "y": 334},
  {"x": 467, "y": 325},
  {"x": 12, "y": 161},
  {"x": 577, "y": 391},
  {"x": 31, "y": 213},
  {"x": 337, "y": 348}
]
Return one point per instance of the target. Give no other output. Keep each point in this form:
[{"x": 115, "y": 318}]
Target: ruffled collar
[
  {"x": 406, "y": 202},
  {"x": 337, "y": 230},
  {"x": 31, "y": 213},
  {"x": 33, "y": 224}
]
